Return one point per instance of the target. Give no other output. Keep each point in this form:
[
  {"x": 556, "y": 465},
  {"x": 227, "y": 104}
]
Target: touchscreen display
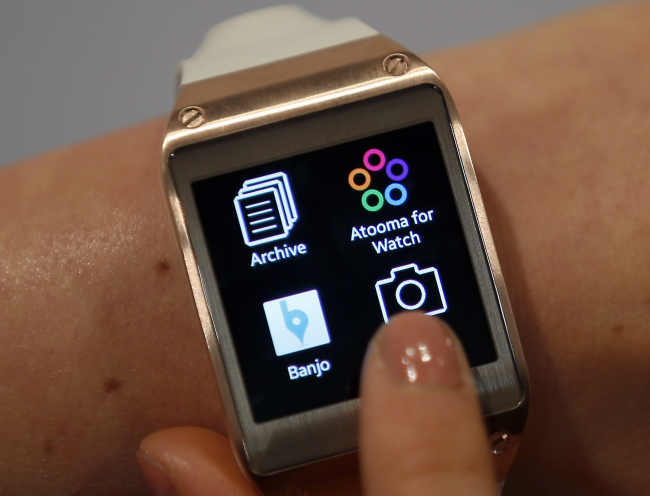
[{"x": 313, "y": 252}]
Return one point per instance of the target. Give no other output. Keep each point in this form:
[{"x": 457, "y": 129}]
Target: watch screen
[{"x": 312, "y": 253}]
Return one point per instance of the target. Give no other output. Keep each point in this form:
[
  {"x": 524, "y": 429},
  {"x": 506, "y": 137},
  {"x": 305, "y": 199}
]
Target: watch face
[{"x": 312, "y": 252}]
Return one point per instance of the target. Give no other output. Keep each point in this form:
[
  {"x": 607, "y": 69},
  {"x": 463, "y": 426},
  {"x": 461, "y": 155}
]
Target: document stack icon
[{"x": 265, "y": 209}]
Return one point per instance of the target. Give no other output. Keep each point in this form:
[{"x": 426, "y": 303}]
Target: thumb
[
  {"x": 189, "y": 461},
  {"x": 421, "y": 429}
]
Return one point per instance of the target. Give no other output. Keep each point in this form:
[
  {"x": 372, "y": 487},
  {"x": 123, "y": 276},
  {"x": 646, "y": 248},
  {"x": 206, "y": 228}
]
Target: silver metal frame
[{"x": 235, "y": 108}]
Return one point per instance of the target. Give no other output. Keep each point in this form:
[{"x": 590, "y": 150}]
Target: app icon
[
  {"x": 395, "y": 193},
  {"x": 411, "y": 288},
  {"x": 296, "y": 322},
  {"x": 265, "y": 209}
]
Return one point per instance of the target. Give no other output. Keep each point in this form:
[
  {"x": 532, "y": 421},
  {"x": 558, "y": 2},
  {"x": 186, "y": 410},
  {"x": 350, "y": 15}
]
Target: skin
[{"x": 99, "y": 340}]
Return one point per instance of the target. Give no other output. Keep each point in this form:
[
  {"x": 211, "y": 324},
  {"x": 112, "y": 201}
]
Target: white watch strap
[{"x": 264, "y": 36}]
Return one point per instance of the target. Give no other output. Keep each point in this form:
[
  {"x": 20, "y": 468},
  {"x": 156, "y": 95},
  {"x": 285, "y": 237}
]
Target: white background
[{"x": 72, "y": 69}]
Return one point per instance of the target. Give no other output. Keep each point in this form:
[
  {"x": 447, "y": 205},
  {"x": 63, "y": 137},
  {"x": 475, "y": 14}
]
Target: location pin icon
[{"x": 295, "y": 320}]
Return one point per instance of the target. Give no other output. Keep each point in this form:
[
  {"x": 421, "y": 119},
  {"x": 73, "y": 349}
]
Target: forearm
[
  {"x": 557, "y": 121},
  {"x": 100, "y": 343}
]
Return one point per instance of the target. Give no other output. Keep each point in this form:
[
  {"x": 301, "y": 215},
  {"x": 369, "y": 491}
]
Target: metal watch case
[{"x": 302, "y": 86}]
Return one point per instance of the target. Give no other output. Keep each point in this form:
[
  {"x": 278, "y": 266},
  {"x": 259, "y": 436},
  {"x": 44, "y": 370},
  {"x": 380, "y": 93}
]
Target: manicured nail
[
  {"x": 420, "y": 351},
  {"x": 155, "y": 476}
]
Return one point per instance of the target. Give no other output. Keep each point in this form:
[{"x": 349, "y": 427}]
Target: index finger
[{"x": 421, "y": 427}]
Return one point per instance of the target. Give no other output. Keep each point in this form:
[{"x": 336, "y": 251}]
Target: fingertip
[
  {"x": 418, "y": 350},
  {"x": 421, "y": 428},
  {"x": 190, "y": 461},
  {"x": 155, "y": 475}
]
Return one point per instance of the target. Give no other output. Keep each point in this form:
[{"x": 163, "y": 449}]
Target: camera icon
[{"x": 411, "y": 288}]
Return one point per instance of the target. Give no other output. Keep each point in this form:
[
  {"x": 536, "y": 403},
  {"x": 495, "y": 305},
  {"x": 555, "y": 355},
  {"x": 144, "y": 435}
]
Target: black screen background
[{"x": 344, "y": 272}]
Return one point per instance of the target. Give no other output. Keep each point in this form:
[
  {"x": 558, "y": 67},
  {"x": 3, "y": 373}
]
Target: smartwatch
[{"x": 319, "y": 181}]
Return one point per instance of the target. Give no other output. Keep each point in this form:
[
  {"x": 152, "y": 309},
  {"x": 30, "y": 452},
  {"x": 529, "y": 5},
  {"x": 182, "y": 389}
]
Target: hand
[
  {"x": 421, "y": 430},
  {"x": 100, "y": 344}
]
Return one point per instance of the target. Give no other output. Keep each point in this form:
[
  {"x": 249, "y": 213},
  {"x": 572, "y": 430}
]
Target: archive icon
[{"x": 265, "y": 209}]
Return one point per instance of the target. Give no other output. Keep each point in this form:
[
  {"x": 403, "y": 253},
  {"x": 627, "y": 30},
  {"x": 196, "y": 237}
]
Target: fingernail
[
  {"x": 155, "y": 476},
  {"x": 419, "y": 350}
]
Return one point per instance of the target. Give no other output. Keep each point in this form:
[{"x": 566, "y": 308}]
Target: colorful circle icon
[
  {"x": 372, "y": 193},
  {"x": 388, "y": 194},
  {"x": 356, "y": 173},
  {"x": 392, "y": 164},
  {"x": 359, "y": 179},
  {"x": 374, "y": 152}
]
